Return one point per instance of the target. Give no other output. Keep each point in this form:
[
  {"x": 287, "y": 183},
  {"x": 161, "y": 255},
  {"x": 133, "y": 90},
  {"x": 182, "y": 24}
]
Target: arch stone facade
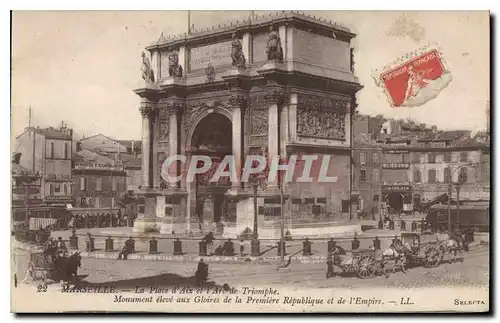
[{"x": 301, "y": 104}]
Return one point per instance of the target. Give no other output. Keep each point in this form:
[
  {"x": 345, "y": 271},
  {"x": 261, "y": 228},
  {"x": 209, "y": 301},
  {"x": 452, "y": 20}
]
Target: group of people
[
  {"x": 55, "y": 248},
  {"x": 226, "y": 249},
  {"x": 101, "y": 221}
]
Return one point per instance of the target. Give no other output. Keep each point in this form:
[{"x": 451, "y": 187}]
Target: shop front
[{"x": 398, "y": 198}]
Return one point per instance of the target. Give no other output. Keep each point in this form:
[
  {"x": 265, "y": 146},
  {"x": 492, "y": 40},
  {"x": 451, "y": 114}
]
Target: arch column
[
  {"x": 147, "y": 112},
  {"x": 173, "y": 115},
  {"x": 238, "y": 104},
  {"x": 273, "y": 100}
]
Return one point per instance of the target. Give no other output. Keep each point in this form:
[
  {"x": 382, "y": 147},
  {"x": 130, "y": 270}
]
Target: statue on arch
[
  {"x": 274, "y": 50},
  {"x": 147, "y": 71},
  {"x": 174, "y": 68},
  {"x": 237, "y": 52}
]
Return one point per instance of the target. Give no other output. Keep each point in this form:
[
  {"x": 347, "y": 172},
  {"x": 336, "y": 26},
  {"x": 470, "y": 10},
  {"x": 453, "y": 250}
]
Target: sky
[{"x": 81, "y": 67}]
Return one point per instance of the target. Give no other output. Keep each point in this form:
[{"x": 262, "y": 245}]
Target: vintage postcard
[{"x": 250, "y": 161}]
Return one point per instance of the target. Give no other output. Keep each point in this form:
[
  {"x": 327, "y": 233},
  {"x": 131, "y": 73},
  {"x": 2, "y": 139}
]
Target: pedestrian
[
  {"x": 355, "y": 244},
  {"x": 127, "y": 249},
  {"x": 201, "y": 274},
  {"x": 329, "y": 266}
]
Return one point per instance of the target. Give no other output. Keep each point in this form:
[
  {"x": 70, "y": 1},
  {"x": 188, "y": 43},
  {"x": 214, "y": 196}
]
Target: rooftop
[
  {"x": 18, "y": 170},
  {"x": 54, "y": 133},
  {"x": 447, "y": 135},
  {"x": 255, "y": 21}
]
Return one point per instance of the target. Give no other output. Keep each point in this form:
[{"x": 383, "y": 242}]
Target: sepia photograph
[{"x": 250, "y": 161}]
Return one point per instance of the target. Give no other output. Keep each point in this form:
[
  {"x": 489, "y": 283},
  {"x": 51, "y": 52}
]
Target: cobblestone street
[{"x": 474, "y": 271}]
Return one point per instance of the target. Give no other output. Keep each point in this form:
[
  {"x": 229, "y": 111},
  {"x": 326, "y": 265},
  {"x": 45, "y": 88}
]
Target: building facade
[
  {"x": 48, "y": 152},
  {"x": 99, "y": 180},
  {"x": 367, "y": 177},
  {"x": 127, "y": 152},
  {"x": 434, "y": 168},
  {"x": 260, "y": 88},
  {"x": 417, "y": 163}
]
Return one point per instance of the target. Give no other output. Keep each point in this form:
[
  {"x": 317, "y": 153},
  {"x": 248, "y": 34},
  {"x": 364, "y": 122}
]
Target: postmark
[{"x": 415, "y": 78}]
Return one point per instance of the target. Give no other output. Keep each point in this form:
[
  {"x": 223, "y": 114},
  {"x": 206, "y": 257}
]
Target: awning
[
  {"x": 93, "y": 211},
  {"x": 461, "y": 207}
]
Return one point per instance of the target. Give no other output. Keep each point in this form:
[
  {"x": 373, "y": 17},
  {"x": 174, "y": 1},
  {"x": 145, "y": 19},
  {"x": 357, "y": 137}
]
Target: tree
[{"x": 127, "y": 201}]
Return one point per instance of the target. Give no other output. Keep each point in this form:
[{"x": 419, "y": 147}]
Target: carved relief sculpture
[
  {"x": 237, "y": 100},
  {"x": 237, "y": 52},
  {"x": 147, "y": 72},
  {"x": 274, "y": 50},
  {"x": 210, "y": 73},
  {"x": 161, "y": 158},
  {"x": 174, "y": 68},
  {"x": 321, "y": 117},
  {"x": 164, "y": 124},
  {"x": 164, "y": 127},
  {"x": 147, "y": 111},
  {"x": 258, "y": 115}
]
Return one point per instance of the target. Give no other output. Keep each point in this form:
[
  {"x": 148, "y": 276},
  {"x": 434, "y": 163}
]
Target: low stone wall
[{"x": 324, "y": 231}]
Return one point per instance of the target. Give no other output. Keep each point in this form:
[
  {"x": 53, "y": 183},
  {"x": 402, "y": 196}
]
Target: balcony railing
[
  {"x": 97, "y": 166},
  {"x": 57, "y": 177}
]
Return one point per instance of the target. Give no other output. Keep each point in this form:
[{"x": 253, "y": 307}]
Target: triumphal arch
[{"x": 281, "y": 84}]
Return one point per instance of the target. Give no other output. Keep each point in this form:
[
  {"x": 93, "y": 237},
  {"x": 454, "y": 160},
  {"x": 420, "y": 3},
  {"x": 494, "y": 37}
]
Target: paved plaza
[{"x": 473, "y": 271}]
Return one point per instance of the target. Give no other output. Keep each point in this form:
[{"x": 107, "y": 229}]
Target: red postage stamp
[{"x": 415, "y": 78}]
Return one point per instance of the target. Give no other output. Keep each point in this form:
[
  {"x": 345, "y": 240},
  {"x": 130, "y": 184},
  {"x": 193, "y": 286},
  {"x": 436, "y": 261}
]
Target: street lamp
[
  {"x": 460, "y": 181},
  {"x": 255, "y": 244},
  {"x": 282, "y": 226}
]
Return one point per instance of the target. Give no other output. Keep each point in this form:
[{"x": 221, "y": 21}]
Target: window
[
  {"x": 417, "y": 177},
  {"x": 66, "y": 151},
  {"x": 82, "y": 184},
  {"x": 362, "y": 158},
  {"x": 113, "y": 184},
  {"x": 447, "y": 157},
  {"x": 375, "y": 197},
  {"x": 376, "y": 176},
  {"x": 432, "y": 158},
  {"x": 431, "y": 176},
  {"x": 362, "y": 175},
  {"x": 416, "y": 200},
  {"x": 51, "y": 189},
  {"x": 98, "y": 184},
  {"x": 375, "y": 158},
  {"x": 463, "y": 176},
  {"x": 447, "y": 175},
  {"x": 52, "y": 150},
  {"x": 463, "y": 157},
  {"x": 57, "y": 188}
]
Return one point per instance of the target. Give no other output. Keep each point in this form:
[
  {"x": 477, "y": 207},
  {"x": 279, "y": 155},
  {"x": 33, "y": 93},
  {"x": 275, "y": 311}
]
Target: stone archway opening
[{"x": 212, "y": 137}]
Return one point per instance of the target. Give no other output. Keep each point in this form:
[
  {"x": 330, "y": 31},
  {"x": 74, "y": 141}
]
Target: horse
[
  {"x": 67, "y": 267},
  {"x": 454, "y": 246},
  {"x": 398, "y": 253},
  {"x": 343, "y": 259}
]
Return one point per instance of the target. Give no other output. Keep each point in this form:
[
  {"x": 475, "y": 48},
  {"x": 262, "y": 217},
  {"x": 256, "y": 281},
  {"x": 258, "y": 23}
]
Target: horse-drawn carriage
[
  {"x": 53, "y": 265},
  {"x": 414, "y": 249},
  {"x": 354, "y": 262}
]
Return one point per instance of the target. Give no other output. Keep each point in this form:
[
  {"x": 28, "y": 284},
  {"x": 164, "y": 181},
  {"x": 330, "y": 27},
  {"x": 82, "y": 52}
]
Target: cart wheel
[
  {"x": 432, "y": 257},
  {"x": 366, "y": 267}
]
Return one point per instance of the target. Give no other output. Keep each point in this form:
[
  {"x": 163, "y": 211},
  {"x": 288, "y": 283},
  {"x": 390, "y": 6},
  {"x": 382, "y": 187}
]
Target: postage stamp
[
  {"x": 415, "y": 78},
  {"x": 246, "y": 162}
]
